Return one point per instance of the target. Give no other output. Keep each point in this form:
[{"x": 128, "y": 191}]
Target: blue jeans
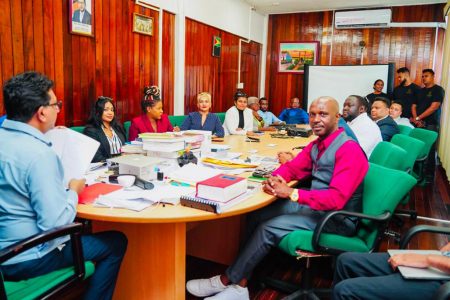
[
  {"x": 106, "y": 249},
  {"x": 369, "y": 276}
]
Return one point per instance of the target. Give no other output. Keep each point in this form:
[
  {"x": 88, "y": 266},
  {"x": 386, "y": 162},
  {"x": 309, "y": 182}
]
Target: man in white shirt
[
  {"x": 395, "y": 111},
  {"x": 355, "y": 114}
]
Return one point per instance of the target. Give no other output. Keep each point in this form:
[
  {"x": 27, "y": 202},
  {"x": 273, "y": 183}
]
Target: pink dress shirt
[
  {"x": 349, "y": 171},
  {"x": 142, "y": 124}
]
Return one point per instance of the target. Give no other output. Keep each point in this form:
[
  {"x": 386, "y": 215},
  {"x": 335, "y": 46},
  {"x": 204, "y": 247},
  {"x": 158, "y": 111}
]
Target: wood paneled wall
[
  {"x": 168, "y": 61},
  {"x": 410, "y": 47},
  {"x": 34, "y": 35},
  {"x": 217, "y": 75}
]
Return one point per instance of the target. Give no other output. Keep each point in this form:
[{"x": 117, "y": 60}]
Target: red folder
[{"x": 90, "y": 193}]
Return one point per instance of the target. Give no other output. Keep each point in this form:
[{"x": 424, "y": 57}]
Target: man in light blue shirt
[
  {"x": 268, "y": 117},
  {"x": 33, "y": 196}
]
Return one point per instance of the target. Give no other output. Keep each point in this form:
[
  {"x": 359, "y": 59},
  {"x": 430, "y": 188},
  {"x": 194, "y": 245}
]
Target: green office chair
[
  {"x": 126, "y": 127},
  {"x": 413, "y": 148},
  {"x": 51, "y": 284},
  {"x": 176, "y": 120},
  {"x": 78, "y": 128},
  {"x": 428, "y": 137},
  {"x": 404, "y": 129},
  {"x": 221, "y": 116},
  {"x": 443, "y": 292},
  {"x": 389, "y": 155},
  {"x": 383, "y": 190}
]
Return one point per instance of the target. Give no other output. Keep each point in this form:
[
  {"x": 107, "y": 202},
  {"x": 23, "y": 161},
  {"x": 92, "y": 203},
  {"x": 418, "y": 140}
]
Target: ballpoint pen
[{"x": 98, "y": 167}]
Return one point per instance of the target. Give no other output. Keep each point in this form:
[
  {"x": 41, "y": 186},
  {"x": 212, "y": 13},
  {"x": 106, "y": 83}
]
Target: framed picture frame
[
  {"x": 81, "y": 19},
  {"x": 292, "y": 56},
  {"x": 142, "y": 24},
  {"x": 146, "y": 3}
]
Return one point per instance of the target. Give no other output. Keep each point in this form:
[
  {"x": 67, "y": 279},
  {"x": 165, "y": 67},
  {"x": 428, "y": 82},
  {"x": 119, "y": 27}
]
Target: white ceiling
[{"x": 290, "y": 6}]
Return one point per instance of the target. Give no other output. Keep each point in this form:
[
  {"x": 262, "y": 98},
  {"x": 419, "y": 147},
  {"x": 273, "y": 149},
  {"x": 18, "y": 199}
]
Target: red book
[
  {"x": 90, "y": 193},
  {"x": 222, "y": 187}
]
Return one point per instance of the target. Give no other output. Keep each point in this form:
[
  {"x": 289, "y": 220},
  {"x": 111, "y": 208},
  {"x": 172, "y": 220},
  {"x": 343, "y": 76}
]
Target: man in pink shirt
[{"x": 336, "y": 165}]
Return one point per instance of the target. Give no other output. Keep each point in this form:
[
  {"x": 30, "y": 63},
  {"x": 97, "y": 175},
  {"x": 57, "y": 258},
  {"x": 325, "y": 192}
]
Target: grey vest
[{"x": 322, "y": 173}]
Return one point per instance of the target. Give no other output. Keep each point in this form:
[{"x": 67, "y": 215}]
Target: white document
[
  {"x": 192, "y": 173},
  {"x": 419, "y": 273},
  {"x": 137, "y": 204},
  {"x": 128, "y": 198},
  {"x": 75, "y": 151}
]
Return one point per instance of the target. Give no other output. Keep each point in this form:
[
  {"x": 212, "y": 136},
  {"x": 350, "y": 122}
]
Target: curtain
[{"x": 444, "y": 135}]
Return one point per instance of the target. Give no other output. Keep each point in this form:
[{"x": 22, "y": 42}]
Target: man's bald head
[
  {"x": 330, "y": 101},
  {"x": 324, "y": 116}
]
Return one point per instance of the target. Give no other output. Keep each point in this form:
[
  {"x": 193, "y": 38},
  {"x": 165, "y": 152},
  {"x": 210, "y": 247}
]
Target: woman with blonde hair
[{"x": 203, "y": 119}]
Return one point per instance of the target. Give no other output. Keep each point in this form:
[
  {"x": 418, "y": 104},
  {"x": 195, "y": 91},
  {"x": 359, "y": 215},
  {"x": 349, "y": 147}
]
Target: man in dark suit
[
  {"x": 81, "y": 15},
  {"x": 380, "y": 114}
]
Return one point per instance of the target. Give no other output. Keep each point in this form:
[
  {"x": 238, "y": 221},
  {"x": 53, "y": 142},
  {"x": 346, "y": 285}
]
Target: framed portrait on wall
[
  {"x": 142, "y": 24},
  {"x": 81, "y": 17},
  {"x": 293, "y": 56}
]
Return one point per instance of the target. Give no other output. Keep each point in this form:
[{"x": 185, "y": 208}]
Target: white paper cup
[{"x": 126, "y": 180}]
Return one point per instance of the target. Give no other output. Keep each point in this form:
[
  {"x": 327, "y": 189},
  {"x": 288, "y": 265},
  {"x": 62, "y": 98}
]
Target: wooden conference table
[{"x": 159, "y": 238}]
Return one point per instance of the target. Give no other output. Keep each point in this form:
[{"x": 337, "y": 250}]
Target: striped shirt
[{"x": 114, "y": 143}]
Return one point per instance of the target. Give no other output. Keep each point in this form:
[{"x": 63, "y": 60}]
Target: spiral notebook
[{"x": 210, "y": 205}]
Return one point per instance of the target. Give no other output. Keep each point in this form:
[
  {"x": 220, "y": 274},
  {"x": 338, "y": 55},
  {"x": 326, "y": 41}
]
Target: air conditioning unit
[{"x": 374, "y": 18}]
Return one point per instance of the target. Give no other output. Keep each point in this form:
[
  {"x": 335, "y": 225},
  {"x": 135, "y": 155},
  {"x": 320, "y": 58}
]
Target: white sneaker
[
  {"x": 205, "y": 287},
  {"x": 232, "y": 292}
]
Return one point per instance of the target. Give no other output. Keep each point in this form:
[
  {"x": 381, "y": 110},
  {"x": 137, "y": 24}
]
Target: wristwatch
[
  {"x": 417, "y": 118},
  {"x": 294, "y": 195}
]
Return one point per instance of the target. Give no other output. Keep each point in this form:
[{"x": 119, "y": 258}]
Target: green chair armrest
[
  {"x": 79, "y": 129},
  {"x": 318, "y": 231}
]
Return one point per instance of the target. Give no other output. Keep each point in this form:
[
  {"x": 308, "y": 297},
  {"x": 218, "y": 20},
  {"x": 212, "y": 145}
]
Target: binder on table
[{"x": 211, "y": 205}]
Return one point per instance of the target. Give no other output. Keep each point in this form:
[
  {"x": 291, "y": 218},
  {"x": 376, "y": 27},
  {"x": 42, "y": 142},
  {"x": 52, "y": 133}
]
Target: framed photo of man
[{"x": 81, "y": 17}]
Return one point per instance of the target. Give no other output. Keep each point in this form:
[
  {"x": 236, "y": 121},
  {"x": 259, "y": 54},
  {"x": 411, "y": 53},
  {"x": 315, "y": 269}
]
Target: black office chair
[
  {"x": 443, "y": 293},
  {"x": 53, "y": 283}
]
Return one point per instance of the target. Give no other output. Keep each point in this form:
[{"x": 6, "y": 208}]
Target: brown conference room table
[{"x": 159, "y": 238}]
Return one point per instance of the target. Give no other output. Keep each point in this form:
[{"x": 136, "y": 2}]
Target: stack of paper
[
  {"x": 132, "y": 149},
  {"x": 227, "y": 164},
  {"x": 74, "y": 149},
  {"x": 192, "y": 174},
  {"x": 140, "y": 199}
]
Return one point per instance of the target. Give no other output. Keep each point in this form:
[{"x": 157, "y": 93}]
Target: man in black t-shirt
[
  {"x": 425, "y": 114},
  {"x": 406, "y": 92}
]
